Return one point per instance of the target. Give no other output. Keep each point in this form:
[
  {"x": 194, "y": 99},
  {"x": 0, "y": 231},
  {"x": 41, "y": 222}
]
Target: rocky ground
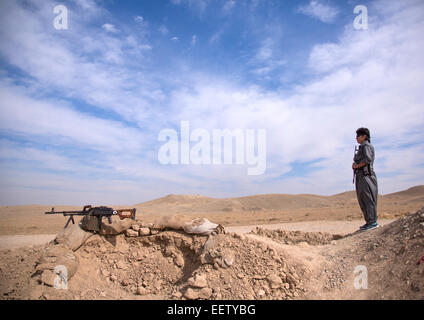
[{"x": 147, "y": 263}]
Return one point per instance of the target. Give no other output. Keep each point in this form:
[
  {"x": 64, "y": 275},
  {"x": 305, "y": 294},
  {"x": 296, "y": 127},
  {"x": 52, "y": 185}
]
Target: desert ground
[{"x": 275, "y": 246}]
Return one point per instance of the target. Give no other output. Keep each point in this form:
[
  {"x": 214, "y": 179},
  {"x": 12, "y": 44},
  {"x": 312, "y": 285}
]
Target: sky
[{"x": 82, "y": 107}]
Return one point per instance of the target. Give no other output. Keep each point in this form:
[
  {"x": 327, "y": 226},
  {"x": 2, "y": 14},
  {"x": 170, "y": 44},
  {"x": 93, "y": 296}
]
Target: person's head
[{"x": 363, "y": 134}]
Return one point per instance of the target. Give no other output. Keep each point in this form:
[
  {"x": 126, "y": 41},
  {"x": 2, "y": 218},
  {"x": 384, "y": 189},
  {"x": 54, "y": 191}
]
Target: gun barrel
[
  {"x": 64, "y": 212},
  {"x": 82, "y": 212}
]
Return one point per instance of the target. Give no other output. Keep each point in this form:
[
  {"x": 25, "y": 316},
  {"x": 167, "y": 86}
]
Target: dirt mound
[
  {"x": 169, "y": 265},
  {"x": 390, "y": 255},
  {"x": 295, "y": 237},
  {"x": 177, "y": 265},
  {"x": 393, "y": 254}
]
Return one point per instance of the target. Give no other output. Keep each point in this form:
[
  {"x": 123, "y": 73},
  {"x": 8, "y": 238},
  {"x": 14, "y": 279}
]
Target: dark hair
[{"x": 364, "y": 131}]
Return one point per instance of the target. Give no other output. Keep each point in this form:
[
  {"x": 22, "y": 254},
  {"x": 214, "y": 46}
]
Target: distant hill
[
  {"x": 417, "y": 191},
  {"x": 267, "y": 202}
]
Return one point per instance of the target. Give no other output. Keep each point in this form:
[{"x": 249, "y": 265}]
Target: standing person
[{"x": 365, "y": 179}]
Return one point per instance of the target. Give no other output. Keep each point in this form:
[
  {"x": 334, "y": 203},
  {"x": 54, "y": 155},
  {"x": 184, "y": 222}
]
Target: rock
[
  {"x": 141, "y": 291},
  {"x": 121, "y": 264},
  {"x": 73, "y": 237},
  {"x": 208, "y": 244},
  {"x": 125, "y": 282},
  {"x": 116, "y": 227},
  {"x": 198, "y": 281},
  {"x": 415, "y": 286},
  {"x": 144, "y": 231},
  {"x": 135, "y": 227},
  {"x": 158, "y": 284},
  {"x": 205, "y": 293},
  {"x": 154, "y": 231},
  {"x": 261, "y": 293},
  {"x": 264, "y": 247},
  {"x": 237, "y": 235},
  {"x": 228, "y": 257},
  {"x": 191, "y": 294},
  {"x": 131, "y": 233},
  {"x": 105, "y": 273},
  {"x": 275, "y": 281},
  {"x": 179, "y": 260},
  {"x": 291, "y": 280},
  {"x": 48, "y": 277},
  {"x": 177, "y": 295},
  {"x": 169, "y": 251},
  {"x": 229, "y": 261},
  {"x": 147, "y": 225}
]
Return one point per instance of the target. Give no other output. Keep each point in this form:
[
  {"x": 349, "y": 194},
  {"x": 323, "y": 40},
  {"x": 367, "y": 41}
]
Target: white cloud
[
  {"x": 163, "y": 30},
  {"x": 110, "y": 28},
  {"x": 83, "y": 64},
  {"x": 228, "y": 6},
  {"x": 53, "y": 122},
  {"x": 319, "y": 10},
  {"x": 193, "y": 39},
  {"x": 89, "y": 9},
  {"x": 216, "y": 36},
  {"x": 265, "y": 61},
  {"x": 197, "y": 5},
  {"x": 264, "y": 53}
]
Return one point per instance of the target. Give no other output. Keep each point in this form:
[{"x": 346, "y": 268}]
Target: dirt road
[{"x": 19, "y": 241}]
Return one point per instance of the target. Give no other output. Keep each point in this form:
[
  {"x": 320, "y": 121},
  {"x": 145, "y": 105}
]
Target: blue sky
[{"x": 81, "y": 108}]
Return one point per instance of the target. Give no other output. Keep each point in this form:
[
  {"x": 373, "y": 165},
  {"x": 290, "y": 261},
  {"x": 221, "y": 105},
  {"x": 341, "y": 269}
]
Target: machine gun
[{"x": 98, "y": 212}]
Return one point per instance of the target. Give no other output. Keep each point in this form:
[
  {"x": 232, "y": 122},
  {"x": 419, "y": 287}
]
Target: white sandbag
[{"x": 200, "y": 226}]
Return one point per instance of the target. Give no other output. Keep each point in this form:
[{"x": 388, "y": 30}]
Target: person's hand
[{"x": 354, "y": 166}]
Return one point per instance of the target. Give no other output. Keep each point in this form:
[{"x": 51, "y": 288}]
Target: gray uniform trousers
[{"x": 366, "y": 182}]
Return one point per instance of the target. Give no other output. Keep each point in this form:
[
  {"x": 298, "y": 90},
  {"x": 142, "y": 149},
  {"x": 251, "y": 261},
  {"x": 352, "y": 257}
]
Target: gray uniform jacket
[{"x": 366, "y": 182}]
